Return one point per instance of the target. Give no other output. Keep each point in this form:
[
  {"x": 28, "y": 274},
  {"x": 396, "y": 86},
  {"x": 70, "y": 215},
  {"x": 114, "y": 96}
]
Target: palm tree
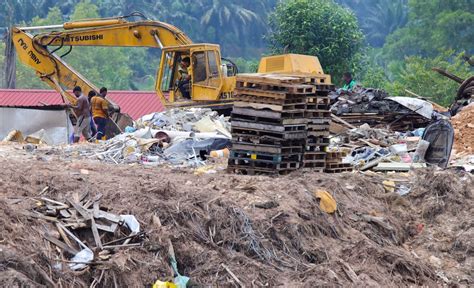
[
  {"x": 224, "y": 15},
  {"x": 383, "y": 18}
]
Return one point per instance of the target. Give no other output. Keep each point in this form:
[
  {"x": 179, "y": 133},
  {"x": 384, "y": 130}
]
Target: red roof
[{"x": 134, "y": 103}]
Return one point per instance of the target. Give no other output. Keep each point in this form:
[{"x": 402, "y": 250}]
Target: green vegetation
[
  {"x": 390, "y": 44},
  {"x": 330, "y": 32}
]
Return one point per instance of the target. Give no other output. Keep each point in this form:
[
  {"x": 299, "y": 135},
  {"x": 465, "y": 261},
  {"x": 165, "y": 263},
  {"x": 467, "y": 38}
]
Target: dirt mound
[
  {"x": 266, "y": 231},
  {"x": 463, "y": 124}
]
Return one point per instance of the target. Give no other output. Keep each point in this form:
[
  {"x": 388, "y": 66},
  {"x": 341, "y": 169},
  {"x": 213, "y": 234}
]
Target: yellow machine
[
  {"x": 294, "y": 65},
  {"x": 211, "y": 83}
]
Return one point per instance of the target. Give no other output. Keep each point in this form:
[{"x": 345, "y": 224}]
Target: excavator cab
[{"x": 210, "y": 84}]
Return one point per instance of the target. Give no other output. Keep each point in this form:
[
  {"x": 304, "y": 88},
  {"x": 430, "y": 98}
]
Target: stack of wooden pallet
[
  {"x": 319, "y": 118},
  {"x": 334, "y": 162},
  {"x": 269, "y": 128}
]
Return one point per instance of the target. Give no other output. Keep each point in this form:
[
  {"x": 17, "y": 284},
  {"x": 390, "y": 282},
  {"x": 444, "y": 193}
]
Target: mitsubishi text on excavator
[{"x": 211, "y": 82}]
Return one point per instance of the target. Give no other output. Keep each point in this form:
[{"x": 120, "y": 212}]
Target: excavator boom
[{"x": 115, "y": 32}]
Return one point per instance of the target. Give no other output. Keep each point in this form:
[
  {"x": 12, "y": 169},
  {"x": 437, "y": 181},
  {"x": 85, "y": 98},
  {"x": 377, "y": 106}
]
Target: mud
[
  {"x": 463, "y": 124},
  {"x": 267, "y": 231}
]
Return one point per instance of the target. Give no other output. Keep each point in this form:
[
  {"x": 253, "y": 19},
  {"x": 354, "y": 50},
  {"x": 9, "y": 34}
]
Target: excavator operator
[{"x": 184, "y": 79}]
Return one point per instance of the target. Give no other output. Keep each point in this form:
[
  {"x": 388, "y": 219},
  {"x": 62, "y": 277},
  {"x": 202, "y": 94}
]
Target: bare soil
[{"x": 268, "y": 231}]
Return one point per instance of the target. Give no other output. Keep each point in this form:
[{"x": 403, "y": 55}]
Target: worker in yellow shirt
[{"x": 100, "y": 112}]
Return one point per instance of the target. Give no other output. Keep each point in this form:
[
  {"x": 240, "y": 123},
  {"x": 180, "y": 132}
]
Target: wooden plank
[
  {"x": 63, "y": 235},
  {"x": 79, "y": 208},
  {"x": 267, "y": 148},
  {"x": 95, "y": 233},
  {"x": 258, "y": 106},
  {"x": 281, "y": 117},
  {"x": 262, "y": 93},
  {"x": 258, "y": 126},
  {"x": 60, "y": 244},
  {"x": 106, "y": 215},
  {"x": 342, "y": 121}
]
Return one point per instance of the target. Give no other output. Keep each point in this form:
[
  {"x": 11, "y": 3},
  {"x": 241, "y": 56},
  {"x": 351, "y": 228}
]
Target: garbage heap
[
  {"x": 177, "y": 137},
  {"x": 376, "y": 108},
  {"x": 279, "y": 123}
]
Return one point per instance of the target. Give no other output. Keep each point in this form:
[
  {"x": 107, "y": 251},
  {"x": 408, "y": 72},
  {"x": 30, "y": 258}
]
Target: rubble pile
[
  {"x": 178, "y": 137},
  {"x": 293, "y": 231},
  {"x": 463, "y": 124},
  {"x": 79, "y": 227},
  {"x": 375, "y": 107}
]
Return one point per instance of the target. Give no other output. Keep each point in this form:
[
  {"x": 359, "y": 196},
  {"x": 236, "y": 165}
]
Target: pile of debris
[
  {"x": 375, "y": 107},
  {"x": 178, "y": 137},
  {"x": 83, "y": 231}
]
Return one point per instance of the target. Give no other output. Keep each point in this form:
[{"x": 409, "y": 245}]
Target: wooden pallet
[
  {"x": 318, "y": 121},
  {"x": 333, "y": 155},
  {"x": 271, "y": 127},
  {"x": 314, "y": 165},
  {"x": 266, "y": 148},
  {"x": 255, "y": 134},
  {"x": 268, "y": 116},
  {"x": 312, "y": 169},
  {"x": 290, "y": 165},
  {"x": 312, "y": 146},
  {"x": 333, "y": 165},
  {"x": 263, "y": 93},
  {"x": 318, "y": 133},
  {"x": 317, "y": 114},
  {"x": 314, "y": 99},
  {"x": 294, "y": 99},
  {"x": 258, "y": 156},
  {"x": 291, "y": 107},
  {"x": 312, "y": 79},
  {"x": 314, "y": 156},
  {"x": 338, "y": 170},
  {"x": 267, "y": 141},
  {"x": 318, "y": 127},
  {"x": 276, "y": 136}
]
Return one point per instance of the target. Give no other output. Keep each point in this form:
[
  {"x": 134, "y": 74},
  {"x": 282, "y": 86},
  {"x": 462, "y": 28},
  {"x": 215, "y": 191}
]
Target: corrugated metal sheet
[{"x": 134, "y": 103}]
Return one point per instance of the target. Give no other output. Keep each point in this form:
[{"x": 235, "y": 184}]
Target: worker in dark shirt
[
  {"x": 184, "y": 79},
  {"x": 82, "y": 111}
]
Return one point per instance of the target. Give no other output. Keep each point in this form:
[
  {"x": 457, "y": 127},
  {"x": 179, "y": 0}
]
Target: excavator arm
[{"x": 117, "y": 32}]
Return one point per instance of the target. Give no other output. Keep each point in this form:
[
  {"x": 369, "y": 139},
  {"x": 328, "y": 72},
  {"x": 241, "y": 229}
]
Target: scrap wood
[
  {"x": 349, "y": 271},
  {"x": 60, "y": 244},
  {"x": 342, "y": 121},
  {"x": 63, "y": 235},
  {"x": 233, "y": 275},
  {"x": 379, "y": 221}
]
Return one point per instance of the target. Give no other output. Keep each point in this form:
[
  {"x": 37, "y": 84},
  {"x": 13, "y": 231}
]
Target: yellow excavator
[
  {"x": 209, "y": 85},
  {"x": 212, "y": 82}
]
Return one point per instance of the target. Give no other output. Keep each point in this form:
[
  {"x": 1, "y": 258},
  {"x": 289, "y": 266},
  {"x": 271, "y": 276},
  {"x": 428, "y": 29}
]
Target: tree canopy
[
  {"x": 318, "y": 27},
  {"x": 390, "y": 44}
]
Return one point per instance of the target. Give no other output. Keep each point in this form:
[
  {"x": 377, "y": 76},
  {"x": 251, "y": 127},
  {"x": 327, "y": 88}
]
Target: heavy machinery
[
  {"x": 212, "y": 81},
  {"x": 211, "y": 84}
]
